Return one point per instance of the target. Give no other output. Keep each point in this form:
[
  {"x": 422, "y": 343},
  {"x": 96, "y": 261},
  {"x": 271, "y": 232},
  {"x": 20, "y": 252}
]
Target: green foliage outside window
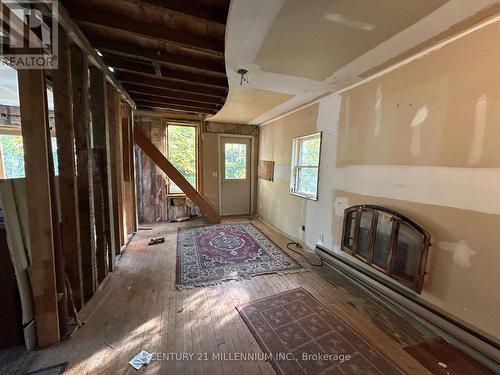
[
  {"x": 235, "y": 161},
  {"x": 182, "y": 153},
  {"x": 13, "y": 155},
  {"x": 309, "y": 152}
]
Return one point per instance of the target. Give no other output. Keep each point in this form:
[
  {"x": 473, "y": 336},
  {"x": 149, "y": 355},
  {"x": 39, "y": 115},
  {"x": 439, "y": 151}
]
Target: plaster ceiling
[
  {"x": 314, "y": 41},
  {"x": 247, "y": 103},
  {"x": 298, "y": 50}
]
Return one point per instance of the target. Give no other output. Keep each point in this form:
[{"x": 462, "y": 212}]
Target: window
[
  {"x": 305, "y": 166},
  {"x": 235, "y": 161},
  {"x": 182, "y": 153},
  {"x": 388, "y": 242},
  {"x": 11, "y": 140}
]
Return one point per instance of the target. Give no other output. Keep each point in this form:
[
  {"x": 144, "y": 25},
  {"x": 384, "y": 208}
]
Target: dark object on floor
[
  {"x": 227, "y": 252},
  {"x": 156, "y": 241},
  {"x": 52, "y": 370},
  {"x": 145, "y": 228},
  {"x": 319, "y": 263},
  {"x": 440, "y": 357},
  {"x": 295, "y": 322},
  {"x": 181, "y": 219}
]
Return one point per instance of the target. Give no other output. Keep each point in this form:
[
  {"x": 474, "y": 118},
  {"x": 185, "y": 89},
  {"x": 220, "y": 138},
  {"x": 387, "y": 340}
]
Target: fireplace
[{"x": 387, "y": 241}]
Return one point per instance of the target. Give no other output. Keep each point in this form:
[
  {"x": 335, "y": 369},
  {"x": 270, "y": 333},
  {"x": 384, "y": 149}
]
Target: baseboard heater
[{"x": 478, "y": 346}]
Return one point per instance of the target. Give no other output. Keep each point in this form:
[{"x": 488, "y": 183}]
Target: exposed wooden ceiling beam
[
  {"x": 134, "y": 66},
  {"x": 157, "y": 68},
  {"x": 122, "y": 64},
  {"x": 143, "y": 115},
  {"x": 165, "y": 93},
  {"x": 132, "y": 50},
  {"x": 160, "y": 32},
  {"x": 76, "y": 35},
  {"x": 161, "y": 82},
  {"x": 157, "y": 99},
  {"x": 146, "y": 104},
  {"x": 191, "y": 8}
]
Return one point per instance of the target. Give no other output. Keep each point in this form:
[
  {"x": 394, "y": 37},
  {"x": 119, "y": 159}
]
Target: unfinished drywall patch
[
  {"x": 477, "y": 147},
  {"x": 462, "y": 252},
  {"x": 341, "y": 204},
  {"x": 457, "y": 87},
  {"x": 378, "y": 112},
  {"x": 416, "y": 131}
]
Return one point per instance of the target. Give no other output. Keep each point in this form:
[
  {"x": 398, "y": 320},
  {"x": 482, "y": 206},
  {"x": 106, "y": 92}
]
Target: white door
[{"x": 235, "y": 179}]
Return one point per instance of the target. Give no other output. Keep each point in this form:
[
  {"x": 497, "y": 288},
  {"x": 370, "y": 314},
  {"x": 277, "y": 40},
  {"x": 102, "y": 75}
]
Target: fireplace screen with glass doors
[{"x": 388, "y": 242}]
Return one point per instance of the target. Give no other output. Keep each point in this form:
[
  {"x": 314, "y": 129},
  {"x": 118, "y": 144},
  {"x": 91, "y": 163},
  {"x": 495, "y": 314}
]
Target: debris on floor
[
  {"x": 145, "y": 228},
  {"x": 143, "y": 358},
  {"x": 155, "y": 241},
  {"x": 443, "y": 365},
  {"x": 181, "y": 219}
]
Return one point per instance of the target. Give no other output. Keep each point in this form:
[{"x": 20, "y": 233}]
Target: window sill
[
  {"x": 309, "y": 197},
  {"x": 176, "y": 195}
]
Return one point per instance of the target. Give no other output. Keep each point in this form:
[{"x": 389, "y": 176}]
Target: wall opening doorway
[{"x": 235, "y": 175}]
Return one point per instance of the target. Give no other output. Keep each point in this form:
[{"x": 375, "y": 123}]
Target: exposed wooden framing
[
  {"x": 140, "y": 52},
  {"x": 75, "y": 34},
  {"x": 166, "y": 93},
  {"x": 168, "y": 115},
  {"x": 172, "y": 173},
  {"x": 171, "y": 84},
  {"x": 149, "y": 104},
  {"x": 101, "y": 193},
  {"x": 186, "y": 103},
  {"x": 116, "y": 167},
  {"x": 32, "y": 95},
  {"x": 79, "y": 82},
  {"x": 135, "y": 218},
  {"x": 125, "y": 63},
  {"x": 70, "y": 225},
  {"x": 162, "y": 71},
  {"x": 161, "y": 32},
  {"x": 191, "y": 8},
  {"x": 128, "y": 171}
]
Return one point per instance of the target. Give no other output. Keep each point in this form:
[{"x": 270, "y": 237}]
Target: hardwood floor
[{"x": 139, "y": 308}]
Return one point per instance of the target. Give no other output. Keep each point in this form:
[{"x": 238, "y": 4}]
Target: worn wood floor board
[{"x": 140, "y": 308}]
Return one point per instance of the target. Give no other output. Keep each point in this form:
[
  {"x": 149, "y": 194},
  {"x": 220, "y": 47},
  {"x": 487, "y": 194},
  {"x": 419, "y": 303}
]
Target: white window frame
[{"x": 295, "y": 166}]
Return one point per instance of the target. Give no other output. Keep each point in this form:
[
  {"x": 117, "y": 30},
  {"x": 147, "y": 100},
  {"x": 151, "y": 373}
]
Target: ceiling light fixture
[{"x": 243, "y": 73}]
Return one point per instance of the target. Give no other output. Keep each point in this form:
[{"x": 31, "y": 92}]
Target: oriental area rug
[
  {"x": 301, "y": 336},
  {"x": 208, "y": 255}
]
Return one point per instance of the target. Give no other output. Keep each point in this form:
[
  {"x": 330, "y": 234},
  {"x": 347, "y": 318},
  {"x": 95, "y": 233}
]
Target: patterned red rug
[
  {"x": 302, "y": 337},
  {"x": 207, "y": 255}
]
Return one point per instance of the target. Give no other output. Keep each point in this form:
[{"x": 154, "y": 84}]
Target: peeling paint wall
[
  {"x": 424, "y": 140},
  {"x": 152, "y": 201}
]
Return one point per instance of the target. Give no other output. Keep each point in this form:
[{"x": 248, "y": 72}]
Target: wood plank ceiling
[{"x": 167, "y": 54}]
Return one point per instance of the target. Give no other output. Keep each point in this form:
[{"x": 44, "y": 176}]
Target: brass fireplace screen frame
[{"x": 351, "y": 245}]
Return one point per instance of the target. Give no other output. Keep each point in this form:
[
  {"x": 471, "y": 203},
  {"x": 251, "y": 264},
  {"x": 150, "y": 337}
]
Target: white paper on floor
[{"x": 143, "y": 358}]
